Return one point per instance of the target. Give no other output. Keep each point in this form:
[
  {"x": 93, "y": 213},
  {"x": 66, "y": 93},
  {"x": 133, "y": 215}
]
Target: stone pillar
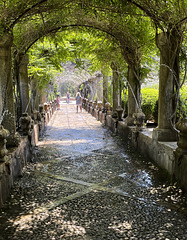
[
  {"x": 7, "y": 108},
  {"x": 164, "y": 131},
  {"x": 5, "y": 71},
  {"x": 115, "y": 81},
  {"x": 99, "y": 79},
  {"x": 105, "y": 89},
  {"x": 133, "y": 95},
  {"x": 93, "y": 87},
  {"x": 34, "y": 94},
  {"x": 24, "y": 83},
  {"x": 42, "y": 96}
]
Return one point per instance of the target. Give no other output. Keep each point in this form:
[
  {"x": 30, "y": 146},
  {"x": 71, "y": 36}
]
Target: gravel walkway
[{"x": 85, "y": 183}]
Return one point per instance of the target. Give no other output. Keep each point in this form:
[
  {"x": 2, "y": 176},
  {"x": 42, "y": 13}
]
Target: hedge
[{"x": 149, "y": 103}]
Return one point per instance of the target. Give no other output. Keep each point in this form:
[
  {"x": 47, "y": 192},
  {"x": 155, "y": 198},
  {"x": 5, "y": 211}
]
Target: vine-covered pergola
[{"x": 133, "y": 26}]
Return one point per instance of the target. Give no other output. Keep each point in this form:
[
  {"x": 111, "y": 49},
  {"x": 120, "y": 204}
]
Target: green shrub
[
  {"x": 149, "y": 103},
  {"x": 155, "y": 112},
  {"x": 182, "y": 107}
]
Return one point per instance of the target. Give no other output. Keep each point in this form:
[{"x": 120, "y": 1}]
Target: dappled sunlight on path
[
  {"x": 74, "y": 132},
  {"x": 85, "y": 184}
]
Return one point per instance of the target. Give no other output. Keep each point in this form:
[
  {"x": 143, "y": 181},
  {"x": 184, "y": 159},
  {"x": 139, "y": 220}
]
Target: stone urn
[
  {"x": 48, "y": 106},
  {"x": 90, "y": 103},
  {"x": 94, "y": 104},
  {"x": 25, "y": 122},
  {"x": 41, "y": 108},
  {"x": 182, "y": 142},
  {"x": 4, "y": 133},
  {"x": 139, "y": 118},
  {"x": 99, "y": 105},
  {"x": 107, "y": 106},
  {"x": 45, "y": 107},
  {"x": 51, "y": 105},
  {"x": 119, "y": 111}
]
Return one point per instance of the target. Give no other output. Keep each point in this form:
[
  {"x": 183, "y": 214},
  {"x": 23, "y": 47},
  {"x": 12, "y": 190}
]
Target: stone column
[
  {"x": 5, "y": 71},
  {"x": 115, "y": 81},
  {"x": 105, "y": 89},
  {"x": 42, "y": 96},
  {"x": 7, "y": 108},
  {"x": 164, "y": 131},
  {"x": 99, "y": 79},
  {"x": 133, "y": 95},
  {"x": 24, "y": 83},
  {"x": 93, "y": 88},
  {"x": 34, "y": 94}
]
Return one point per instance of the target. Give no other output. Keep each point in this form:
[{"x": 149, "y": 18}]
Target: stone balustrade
[
  {"x": 12, "y": 161},
  {"x": 99, "y": 105},
  {"x": 87, "y": 105},
  {"x": 25, "y": 124},
  {"x": 169, "y": 157}
]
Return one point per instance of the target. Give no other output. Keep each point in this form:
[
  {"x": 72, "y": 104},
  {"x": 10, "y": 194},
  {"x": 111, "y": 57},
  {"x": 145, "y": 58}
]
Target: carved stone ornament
[
  {"x": 25, "y": 124},
  {"x": 99, "y": 104},
  {"x": 4, "y": 133},
  {"x": 107, "y": 106},
  {"x": 139, "y": 118},
  {"x": 182, "y": 127}
]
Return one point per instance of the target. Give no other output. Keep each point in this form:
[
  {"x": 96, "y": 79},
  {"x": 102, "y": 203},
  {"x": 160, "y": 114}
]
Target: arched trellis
[
  {"x": 129, "y": 49},
  {"x": 75, "y": 78},
  {"x": 133, "y": 69}
]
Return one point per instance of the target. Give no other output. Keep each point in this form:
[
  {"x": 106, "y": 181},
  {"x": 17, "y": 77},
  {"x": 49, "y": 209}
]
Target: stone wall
[
  {"x": 18, "y": 157},
  {"x": 12, "y": 168},
  {"x": 162, "y": 153}
]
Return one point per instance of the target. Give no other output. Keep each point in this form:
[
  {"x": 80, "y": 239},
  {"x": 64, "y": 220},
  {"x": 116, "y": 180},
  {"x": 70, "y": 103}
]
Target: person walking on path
[
  {"x": 79, "y": 101},
  {"x": 58, "y": 102},
  {"x": 67, "y": 96}
]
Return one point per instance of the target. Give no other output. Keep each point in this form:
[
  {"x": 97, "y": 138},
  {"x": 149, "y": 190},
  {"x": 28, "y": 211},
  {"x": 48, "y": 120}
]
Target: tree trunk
[{"x": 7, "y": 107}]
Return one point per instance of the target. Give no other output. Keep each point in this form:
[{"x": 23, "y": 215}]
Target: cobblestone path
[{"x": 84, "y": 183}]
